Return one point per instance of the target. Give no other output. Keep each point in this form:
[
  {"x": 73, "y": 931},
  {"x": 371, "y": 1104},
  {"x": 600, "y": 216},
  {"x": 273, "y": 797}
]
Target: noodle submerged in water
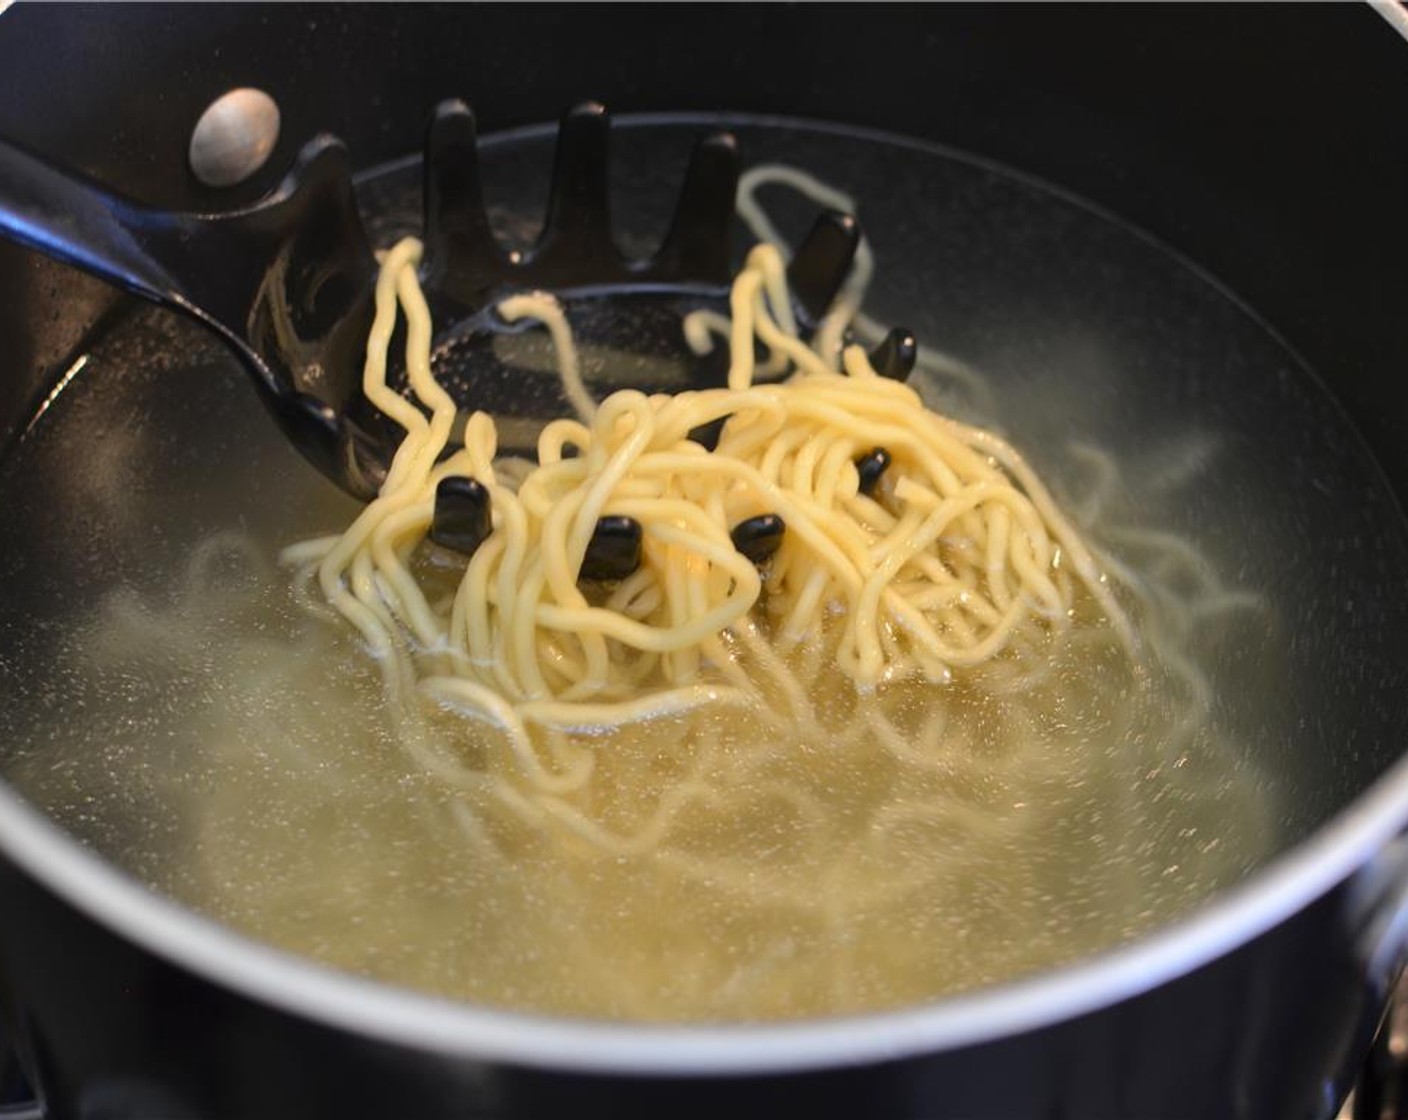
[
  {"x": 910, "y": 751},
  {"x": 848, "y": 711}
]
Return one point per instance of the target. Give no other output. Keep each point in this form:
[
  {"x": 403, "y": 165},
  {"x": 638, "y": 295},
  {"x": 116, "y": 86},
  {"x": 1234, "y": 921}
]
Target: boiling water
[{"x": 176, "y": 705}]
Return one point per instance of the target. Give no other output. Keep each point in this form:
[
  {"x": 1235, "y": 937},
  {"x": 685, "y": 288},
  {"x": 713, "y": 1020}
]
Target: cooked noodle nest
[
  {"x": 959, "y": 554},
  {"x": 862, "y": 724},
  {"x": 940, "y": 738}
]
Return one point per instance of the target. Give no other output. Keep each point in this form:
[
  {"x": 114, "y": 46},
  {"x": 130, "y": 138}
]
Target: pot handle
[{"x": 1378, "y": 906}]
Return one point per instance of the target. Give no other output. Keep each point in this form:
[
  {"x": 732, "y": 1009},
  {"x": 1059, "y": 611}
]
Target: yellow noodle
[{"x": 920, "y": 639}]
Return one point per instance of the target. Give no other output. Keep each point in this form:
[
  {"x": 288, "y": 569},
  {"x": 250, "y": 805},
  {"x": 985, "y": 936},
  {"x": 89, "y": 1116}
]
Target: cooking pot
[{"x": 1268, "y": 145}]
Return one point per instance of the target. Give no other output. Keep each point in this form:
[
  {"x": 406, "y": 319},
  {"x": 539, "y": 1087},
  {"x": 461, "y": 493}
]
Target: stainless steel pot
[{"x": 1270, "y": 146}]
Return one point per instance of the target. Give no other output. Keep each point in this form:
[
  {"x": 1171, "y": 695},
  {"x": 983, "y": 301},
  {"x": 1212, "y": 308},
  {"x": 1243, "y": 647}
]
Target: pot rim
[{"x": 1286, "y": 884}]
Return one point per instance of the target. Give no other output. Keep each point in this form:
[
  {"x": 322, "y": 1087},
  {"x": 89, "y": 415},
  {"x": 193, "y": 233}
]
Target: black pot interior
[{"x": 1270, "y": 149}]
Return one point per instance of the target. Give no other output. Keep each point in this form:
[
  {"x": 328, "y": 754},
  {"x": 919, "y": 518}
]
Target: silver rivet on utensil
[{"x": 234, "y": 137}]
